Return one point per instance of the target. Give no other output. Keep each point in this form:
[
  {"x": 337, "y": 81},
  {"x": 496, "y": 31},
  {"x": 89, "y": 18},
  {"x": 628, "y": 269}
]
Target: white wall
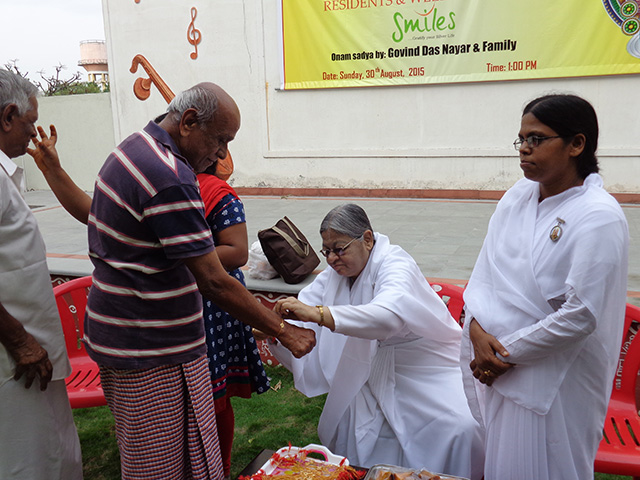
[
  {"x": 434, "y": 136},
  {"x": 85, "y": 137}
]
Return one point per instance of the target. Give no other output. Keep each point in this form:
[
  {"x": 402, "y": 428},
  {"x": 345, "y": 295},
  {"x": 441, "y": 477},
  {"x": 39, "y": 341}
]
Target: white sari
[
  {"x": 558, "y": 309},
  {"x": 391, "y": 369}
]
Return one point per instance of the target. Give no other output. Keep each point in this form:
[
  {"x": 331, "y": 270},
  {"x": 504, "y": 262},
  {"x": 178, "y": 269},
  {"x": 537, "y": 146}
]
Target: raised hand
[
  {"x": 71, "y": 197},
  {"x": 45, "y": 153}
]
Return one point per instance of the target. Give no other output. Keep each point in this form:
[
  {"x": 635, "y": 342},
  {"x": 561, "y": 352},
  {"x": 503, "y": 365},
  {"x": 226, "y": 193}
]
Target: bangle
[
  {"x": 321, "y": 310},
  {"x": 281, "y": 328}
]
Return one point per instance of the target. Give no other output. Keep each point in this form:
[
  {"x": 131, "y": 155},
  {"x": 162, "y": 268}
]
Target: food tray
[
  {"x": 280, "y": 461},
  {"x": 391, "y": 472}
]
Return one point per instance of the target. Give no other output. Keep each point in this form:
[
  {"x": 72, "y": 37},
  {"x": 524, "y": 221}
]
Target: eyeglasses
[
  {"x": 338, "y": 251},
  {"x": 532, "y": 140}
]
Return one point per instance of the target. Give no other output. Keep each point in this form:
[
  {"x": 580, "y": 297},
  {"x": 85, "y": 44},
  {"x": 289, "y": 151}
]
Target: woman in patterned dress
[{"x": 234, "y": 360}]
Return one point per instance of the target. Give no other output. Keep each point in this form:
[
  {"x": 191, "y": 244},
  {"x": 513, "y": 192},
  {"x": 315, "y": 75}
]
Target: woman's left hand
[{"x": 294, "y": 309}]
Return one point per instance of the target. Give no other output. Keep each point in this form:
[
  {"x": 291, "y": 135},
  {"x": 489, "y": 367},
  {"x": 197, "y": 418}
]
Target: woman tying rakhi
[{"x": 387, "y": 353}]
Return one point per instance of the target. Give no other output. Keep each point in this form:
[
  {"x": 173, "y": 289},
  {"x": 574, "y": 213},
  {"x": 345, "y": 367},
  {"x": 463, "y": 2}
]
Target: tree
[{"x": 54, "y": 85}]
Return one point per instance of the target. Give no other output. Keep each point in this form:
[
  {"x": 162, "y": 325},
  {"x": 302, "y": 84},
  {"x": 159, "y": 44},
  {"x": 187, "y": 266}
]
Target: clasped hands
[{"x": 486, "y": 366}]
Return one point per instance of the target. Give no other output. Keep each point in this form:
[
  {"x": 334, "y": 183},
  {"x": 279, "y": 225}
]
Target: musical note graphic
[
  {"x": 142, "y": 86},
  {"x": 193, "y": 34}
]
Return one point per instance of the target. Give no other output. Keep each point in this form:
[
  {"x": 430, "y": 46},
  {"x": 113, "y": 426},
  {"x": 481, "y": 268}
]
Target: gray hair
[
  {"x": 202, "y": 99},
  {"x": 348, "y": 219},
  {"x": 16, "y": 89}
]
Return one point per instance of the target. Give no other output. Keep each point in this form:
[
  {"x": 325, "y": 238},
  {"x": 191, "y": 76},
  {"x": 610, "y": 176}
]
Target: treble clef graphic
[{"x": 193, "y": 34}]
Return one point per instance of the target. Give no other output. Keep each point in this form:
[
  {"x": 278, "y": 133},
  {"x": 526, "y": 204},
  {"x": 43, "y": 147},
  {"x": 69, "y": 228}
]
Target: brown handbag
[{"x": 288, "y": 251}]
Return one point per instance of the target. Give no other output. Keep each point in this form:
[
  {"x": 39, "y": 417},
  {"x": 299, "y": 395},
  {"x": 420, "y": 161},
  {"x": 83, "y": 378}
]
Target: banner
[{"x": 365, "y": 43}]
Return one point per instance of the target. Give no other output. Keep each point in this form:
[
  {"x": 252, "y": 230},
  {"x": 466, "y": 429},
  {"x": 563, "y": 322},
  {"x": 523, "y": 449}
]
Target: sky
[{"x": 41, "y": 34}]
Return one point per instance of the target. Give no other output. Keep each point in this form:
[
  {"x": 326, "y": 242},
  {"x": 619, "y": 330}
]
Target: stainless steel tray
[{"x": 376, "y": 472}]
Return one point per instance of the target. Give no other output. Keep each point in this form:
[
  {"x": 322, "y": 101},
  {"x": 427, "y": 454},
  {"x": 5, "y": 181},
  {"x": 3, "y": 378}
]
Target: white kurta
[
  {"x": 37, "y": 433},
  {"x": 390, "y": 368},
  {"x": 558, "y": 309},
  {"x": 25, "y": 284}
]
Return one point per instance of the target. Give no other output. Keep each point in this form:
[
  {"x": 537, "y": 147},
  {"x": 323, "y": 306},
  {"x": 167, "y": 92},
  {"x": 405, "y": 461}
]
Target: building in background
[
  {"x": 442, "y": 138},
  {"x": 93, "y": 58}
]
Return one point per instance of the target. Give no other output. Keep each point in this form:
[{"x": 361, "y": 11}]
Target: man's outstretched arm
[{"x": 217, "y": 285}]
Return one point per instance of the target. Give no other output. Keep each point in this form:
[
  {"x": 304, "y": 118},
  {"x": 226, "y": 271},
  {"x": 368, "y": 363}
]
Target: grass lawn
[{"x": 270, "y": 420}]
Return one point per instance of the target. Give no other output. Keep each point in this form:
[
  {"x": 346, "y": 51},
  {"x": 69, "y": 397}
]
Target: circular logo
[
  {"x": 629, "y": 9},
  {"x": 630, "y": 26}
]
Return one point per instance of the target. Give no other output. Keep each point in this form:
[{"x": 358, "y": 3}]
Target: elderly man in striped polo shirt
[{"x": 153, "y": 254}]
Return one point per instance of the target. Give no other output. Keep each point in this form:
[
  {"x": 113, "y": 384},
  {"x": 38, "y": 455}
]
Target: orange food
[
  {"x": 301, "y": 467},
  {"x": 408, "y": 475}
]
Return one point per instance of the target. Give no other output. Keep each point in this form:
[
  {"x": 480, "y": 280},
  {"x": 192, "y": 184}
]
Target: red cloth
[
  {"x": 212, "y": 189},
  {"x": 226, "y": 424}
]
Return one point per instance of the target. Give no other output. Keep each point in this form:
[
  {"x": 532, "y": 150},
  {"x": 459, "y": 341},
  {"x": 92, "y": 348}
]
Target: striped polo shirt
[{"x": 144, "y": 309}]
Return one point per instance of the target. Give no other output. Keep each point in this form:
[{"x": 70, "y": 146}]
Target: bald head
[
  {"x": 225, "y": 102},
  {"x": 202, "y": 121},
  {"x": 206, "y": 98}
]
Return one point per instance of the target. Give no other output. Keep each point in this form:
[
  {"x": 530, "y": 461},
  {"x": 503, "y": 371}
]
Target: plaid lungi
[{"x": 165, "y": 421}]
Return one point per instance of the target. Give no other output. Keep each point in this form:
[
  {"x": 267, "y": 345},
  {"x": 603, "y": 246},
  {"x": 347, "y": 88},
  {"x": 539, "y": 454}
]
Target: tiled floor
[{"x": 444, "y": 236}]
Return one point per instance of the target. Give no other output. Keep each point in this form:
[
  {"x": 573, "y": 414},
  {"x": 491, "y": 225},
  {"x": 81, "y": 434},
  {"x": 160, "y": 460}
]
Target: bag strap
[
  {"x": 295, "y": 230},
  {"x": 301, "y": 238},
  {"x": 291, "y": 241}
]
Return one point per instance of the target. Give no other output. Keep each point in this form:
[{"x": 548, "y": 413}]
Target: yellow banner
[{"x": 364, "y": 43}]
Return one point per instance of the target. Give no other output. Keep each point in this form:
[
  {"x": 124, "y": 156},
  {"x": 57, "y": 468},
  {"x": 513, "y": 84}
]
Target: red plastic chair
[
  {"x": 452, "y": 296},
  {"x": 619, "y": 450},
  {"x": 83, "y": 385}
]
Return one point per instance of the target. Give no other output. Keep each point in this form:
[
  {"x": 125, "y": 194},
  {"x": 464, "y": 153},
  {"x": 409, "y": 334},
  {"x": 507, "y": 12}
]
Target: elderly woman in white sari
[
  {"x": 545, "y": 303},
  {"x": 387, "y": 353}
]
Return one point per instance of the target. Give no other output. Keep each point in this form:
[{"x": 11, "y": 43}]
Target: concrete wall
[
  {"x": 85, "y": 137},
  {"x": 454, "y": 136}
]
